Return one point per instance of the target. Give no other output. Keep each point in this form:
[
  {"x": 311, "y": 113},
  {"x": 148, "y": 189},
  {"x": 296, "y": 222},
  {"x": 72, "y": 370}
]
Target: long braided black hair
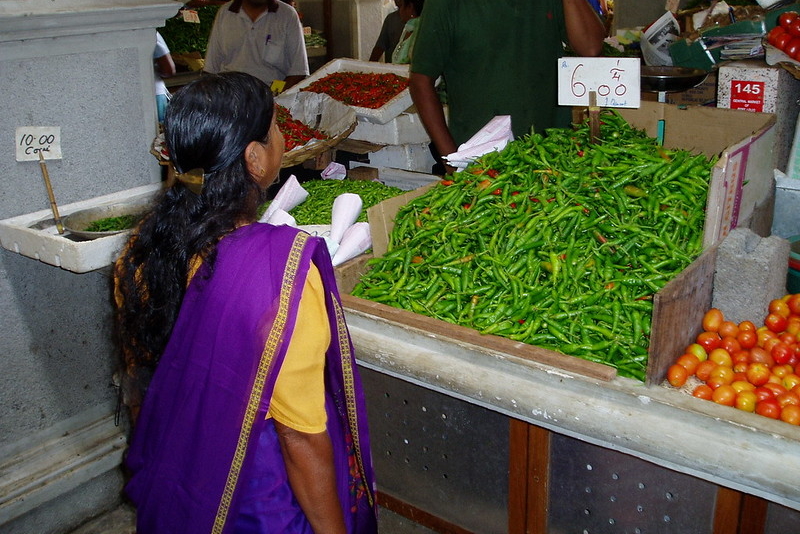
[{"x": 208, "y": 125}]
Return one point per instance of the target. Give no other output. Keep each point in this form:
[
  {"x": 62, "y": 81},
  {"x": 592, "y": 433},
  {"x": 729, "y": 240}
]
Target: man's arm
[
  {"x": 376, "y": 54},
  {"x": 585, "y": 30},
  {"x": 309, "y": 464},
  {"x": 423, "y": 93},
  {"x": 292, "y": 80}
]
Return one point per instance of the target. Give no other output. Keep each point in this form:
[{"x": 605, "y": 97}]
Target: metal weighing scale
[{"x": 663, "y": 80}]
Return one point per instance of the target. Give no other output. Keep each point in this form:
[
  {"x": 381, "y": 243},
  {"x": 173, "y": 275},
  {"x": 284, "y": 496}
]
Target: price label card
[
  {"x": 615, "y": 81},
  {"x": 31, "y": 140},
  {"x": 747, "y": 95},
  {"x": 190, "y": 15}
]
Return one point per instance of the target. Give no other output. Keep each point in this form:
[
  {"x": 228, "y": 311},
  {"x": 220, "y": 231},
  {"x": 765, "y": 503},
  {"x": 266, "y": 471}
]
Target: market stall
[{"x": 474, "y": 432}]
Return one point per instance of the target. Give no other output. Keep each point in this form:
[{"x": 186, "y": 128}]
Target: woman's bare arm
[{"x": 309, "y": 464}]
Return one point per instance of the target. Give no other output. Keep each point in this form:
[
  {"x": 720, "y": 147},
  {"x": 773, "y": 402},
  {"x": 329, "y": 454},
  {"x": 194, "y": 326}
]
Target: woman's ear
[{"x": 252, "y": 159}]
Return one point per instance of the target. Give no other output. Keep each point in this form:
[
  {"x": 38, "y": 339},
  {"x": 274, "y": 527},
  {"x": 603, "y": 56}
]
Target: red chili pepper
[
  {"x": 493, "y": 173},
  {"x": 362, "y": 89},
  {"x": 295, "y": 133}
]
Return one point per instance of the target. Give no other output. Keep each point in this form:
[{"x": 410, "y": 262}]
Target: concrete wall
[{"x": 86, "y": 66}]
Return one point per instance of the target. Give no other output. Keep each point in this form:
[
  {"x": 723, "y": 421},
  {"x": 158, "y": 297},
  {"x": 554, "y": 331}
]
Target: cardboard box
[
  {"x": 742, "y": 186},
  {"x": 704, "y": 94},
  {"x": 753, "y": 85}
]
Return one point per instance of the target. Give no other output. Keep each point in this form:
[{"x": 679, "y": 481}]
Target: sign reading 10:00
[{"x": 34, "y": 140}]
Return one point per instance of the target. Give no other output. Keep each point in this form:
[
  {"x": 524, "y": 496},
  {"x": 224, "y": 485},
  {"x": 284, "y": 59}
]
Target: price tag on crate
[{"x": 615, "y": 81}]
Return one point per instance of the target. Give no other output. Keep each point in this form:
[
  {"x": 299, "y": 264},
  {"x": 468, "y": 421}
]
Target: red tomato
[
  {"x": 747, "y": 326},
  {"x": 794, "y": 303},
  {"x": 721, "y": 356},
  {"x": 725, "y": 395},
  {"x": 787, "y": 398},
  {"x": 677, "y": 375},
  {"x": 712, "y": 320},
  {"x": 792, "y": 46},
  {"x": 697, "y": 350},
  {"x": 760, "y": 355},
  {"x": 709, "y": 340},
  {"x": 777, "y": 323},
  {"x": 781, "y": 352},
  {"x": 794, "y": 27},
  {"x": 776, "y": 388},
  {"x": 703, "y": 391},
  {"x": 728, "y": 329},
  {"x": 782, "y": 40},
  {"x": 704, "y": 369},
  {"x": 780, "y": 307},
  {"x": 790, "y": 414},
  {"x": 731, "y": 344},
  {"x": 688, "y": 362},
  {"x": 786, "y": 18},
  {"x": 774, "y": 33},
  {"x": 768, "y": 408},
  {"x": 757, "y": 374},
  {"x": 747, "y": 338},
  {"x": 746, "y": 400},
  {"x": 763, "y": 393},
  {"x": 790, "y": 381}
]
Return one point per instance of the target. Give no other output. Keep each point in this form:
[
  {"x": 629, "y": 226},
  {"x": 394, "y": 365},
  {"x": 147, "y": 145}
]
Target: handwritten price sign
[
  {"x": 32, "y": 140},
  {"x": 615, "y": 81}
]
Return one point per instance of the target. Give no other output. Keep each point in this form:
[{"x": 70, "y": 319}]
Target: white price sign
[
  {"x": 32, "y": 140},
  {"x": 615, "y": 81}
]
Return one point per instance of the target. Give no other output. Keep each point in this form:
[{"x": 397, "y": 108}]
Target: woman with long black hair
[{"x": 254, "y": 419}]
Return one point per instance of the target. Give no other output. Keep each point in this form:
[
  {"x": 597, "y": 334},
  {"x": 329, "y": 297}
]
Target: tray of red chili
[
  {"x": 377, "y": 92},
  {"x": 311, "y": 123}
]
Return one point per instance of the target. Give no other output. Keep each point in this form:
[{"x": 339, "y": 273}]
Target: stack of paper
[{"x": 493, "y": 137}]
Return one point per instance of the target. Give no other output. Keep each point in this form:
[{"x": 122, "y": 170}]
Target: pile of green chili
[
  {"x": 113, "y": 224},
  {"x": 316, "y": 209},
  {"x": 553, "y": 241}
]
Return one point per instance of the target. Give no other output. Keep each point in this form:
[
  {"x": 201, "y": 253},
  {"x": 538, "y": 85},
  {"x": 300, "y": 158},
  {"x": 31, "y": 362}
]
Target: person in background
[
  {"x": 233, "y": 333},
  {"x": 390, "y": 34},
  {"x": 164, "y": 68},
  {"x": 497, "y": 58},
  {"x": 260, "y": 37},
  {"x": 410, "y": 11}
]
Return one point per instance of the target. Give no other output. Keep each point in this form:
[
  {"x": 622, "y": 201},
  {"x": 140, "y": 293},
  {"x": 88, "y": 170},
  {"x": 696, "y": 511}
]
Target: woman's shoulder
[{"x": 268, "y": 234}]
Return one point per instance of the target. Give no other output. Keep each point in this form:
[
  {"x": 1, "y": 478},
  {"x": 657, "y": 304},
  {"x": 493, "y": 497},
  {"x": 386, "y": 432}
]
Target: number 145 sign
[{"x": 747, "y": 94}]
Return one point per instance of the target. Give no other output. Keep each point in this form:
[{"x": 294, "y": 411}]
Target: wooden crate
[{"x": 739, "y": 195}]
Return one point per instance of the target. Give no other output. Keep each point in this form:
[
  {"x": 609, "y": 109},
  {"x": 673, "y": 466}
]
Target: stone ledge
[{"x": 48, "y": 465}]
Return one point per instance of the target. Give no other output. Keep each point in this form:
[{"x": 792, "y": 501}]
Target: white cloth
[
  {"x": 493, "y": 137},
  {"x": 161, "y": 50},
  {"x": 270, "y": 48}
]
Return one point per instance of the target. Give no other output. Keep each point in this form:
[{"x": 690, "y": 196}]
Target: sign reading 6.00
[
  {"x": 33, "y": 140},
  {"x": 615, "y": 81}
]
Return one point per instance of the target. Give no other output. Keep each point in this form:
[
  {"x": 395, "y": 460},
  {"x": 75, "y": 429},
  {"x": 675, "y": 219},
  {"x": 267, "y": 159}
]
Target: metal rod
[{"x": 53, "y": 206}]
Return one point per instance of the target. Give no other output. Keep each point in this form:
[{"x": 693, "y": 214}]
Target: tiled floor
[{"x": 122, "y": 521}]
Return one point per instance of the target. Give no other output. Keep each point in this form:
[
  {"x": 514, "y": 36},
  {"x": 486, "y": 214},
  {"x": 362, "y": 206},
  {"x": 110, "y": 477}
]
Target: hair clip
[{"x": 192, "y": 179}]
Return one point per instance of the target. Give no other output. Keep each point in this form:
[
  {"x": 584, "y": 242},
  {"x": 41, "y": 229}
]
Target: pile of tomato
[
  {"x": 786, "y": 35},
  {"x": 295, "y": 133},
  {"x": 755, "y": 369}
]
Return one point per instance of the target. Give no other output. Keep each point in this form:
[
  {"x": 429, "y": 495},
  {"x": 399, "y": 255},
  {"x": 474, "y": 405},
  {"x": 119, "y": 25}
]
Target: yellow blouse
[{"x": 299, "y": 397}]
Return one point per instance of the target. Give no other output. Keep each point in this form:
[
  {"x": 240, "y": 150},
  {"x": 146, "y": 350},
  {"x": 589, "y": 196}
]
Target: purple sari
[{"x": 202, "y": 450}]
